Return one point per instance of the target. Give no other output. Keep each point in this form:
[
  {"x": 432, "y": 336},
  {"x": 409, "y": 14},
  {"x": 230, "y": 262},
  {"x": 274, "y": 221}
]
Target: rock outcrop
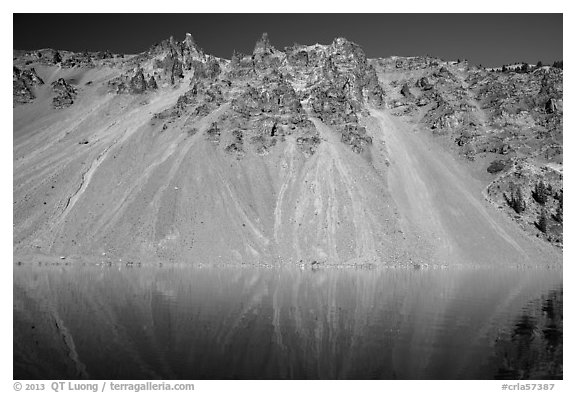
[
  {"x": 65, "y": 94},
  {"x": 133, "y": 82},
  {"x": 171, "y": 59},
  {"x": 423, "y": 83},
  {"x": 138, "y": 83},
  {"x": 166, "y": 64},
  {"x": 272, "y": 94},
  {"x": 338, "y": 83},
  {"x": 23, "y": 85},
  {"x": 151, "y": 84},
  {"x": 209, "y": 69},
  {"x": 494, "y": 118},
  {"x": 405, "y": 91},
  {"x": 551, "y": 105},
  {"x": 263, "y": 46}
]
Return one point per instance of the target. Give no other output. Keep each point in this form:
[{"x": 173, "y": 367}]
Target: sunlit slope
[
  {"x": 436, "y": 194},
  {"x": 101, "y": 177},
  {"x": 275, "y": 157}
]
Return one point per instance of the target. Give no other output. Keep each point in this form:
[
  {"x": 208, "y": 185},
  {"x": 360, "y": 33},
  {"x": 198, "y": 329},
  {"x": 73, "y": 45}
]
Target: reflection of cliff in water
[
  {"x": 114, "y": 322},
  {"x": 533, "y": 348}
]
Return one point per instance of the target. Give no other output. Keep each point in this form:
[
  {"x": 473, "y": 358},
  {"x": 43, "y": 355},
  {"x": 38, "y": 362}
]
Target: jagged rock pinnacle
[
  {"x": 263, "y": 45},
  {"x": 138, "y": 82},
  {"x": 190, "y": 50},
  {"x": 189, "y": 41}
]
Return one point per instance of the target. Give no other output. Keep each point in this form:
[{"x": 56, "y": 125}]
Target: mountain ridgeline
[{"x": 312, "y": 154}]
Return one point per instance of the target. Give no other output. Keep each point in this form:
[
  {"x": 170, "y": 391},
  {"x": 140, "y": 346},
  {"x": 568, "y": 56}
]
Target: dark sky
[{"x": 487, "y": 39}]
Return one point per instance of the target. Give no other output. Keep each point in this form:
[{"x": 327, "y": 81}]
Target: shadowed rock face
[{"x": 279, "y": 155}]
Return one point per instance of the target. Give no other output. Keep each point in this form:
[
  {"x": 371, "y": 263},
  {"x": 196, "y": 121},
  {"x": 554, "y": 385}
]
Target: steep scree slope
[{"x": 275, "y": 157}]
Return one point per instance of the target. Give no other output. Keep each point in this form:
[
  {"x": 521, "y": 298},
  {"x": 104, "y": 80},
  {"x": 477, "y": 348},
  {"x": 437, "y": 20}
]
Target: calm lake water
[{"x": 119, "y": 322}]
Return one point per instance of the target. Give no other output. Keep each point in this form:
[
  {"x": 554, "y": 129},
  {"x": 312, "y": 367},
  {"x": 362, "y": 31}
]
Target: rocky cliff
[
  {"x": 507, "y": 125},
  {"x": 279, "y": 156}
]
